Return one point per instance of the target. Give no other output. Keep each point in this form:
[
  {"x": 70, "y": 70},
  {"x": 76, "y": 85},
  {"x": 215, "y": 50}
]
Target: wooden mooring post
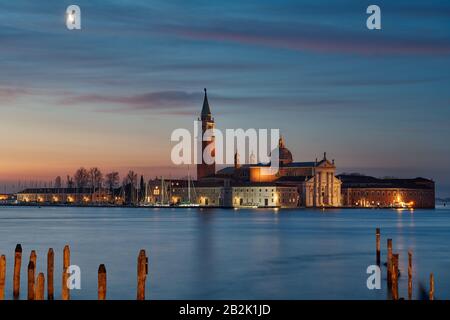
[
  {"x": 36, "y": 285},
  {"x": 102, "y": 282},
  {"x": 65, "y": 292},
  {"x": 431, "y": 295},
  {"x": 40, "y": 284},
  {"x": 2, "y": 276},
  {"x": 17, "y": 266},
  {"x": 142, "y": 271},
  {"x": 31, "y": 276},
  {"x": 394, "y": 275},
  {"x": 33, "y": 257},
  {"x": 378, "y": 236},
  {"x": 410, "y": 288},
  {"x": 389, "y": 262},
  {"x": 50, "y": 272}
]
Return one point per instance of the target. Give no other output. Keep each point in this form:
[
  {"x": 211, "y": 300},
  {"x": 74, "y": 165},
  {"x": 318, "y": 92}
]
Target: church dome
[{"x": 284, "y": 154}]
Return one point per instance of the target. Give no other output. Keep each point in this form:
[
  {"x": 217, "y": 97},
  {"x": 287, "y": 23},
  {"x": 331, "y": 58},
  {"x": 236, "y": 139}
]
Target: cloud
[
  {"x": 381, "y": 82},
  {"x": 10, "y": 94},
  {"x": 310, "y": 38},
  {"x": 162, "y": 102},
  {"x": 184, "y": 103},
  {"x": 153, "y": 100}
]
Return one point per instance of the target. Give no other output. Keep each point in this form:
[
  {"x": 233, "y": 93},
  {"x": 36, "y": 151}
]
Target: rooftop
[{"x": 362, "y": 181}]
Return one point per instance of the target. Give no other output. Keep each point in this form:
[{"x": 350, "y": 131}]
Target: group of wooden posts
[
  {"x": 393, "y": 270},
  {"x": 36, "y": 286}
]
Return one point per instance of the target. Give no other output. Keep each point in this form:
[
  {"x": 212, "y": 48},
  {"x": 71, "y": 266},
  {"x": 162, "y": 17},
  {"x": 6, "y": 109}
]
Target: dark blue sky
[{"x": 111, "y": 94}]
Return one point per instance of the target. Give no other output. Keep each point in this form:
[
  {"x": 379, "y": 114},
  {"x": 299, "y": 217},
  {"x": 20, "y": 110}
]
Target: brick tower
[{"x": 203, "y": 169}]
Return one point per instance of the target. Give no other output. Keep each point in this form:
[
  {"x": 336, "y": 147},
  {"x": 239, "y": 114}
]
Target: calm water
[{"x": 227, "y": 254}]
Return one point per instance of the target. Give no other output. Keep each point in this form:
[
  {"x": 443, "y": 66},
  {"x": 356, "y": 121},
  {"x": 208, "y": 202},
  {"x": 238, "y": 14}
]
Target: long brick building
[{"x": 366, "y": 191}]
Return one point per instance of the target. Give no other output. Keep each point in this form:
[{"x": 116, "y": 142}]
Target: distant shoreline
[{"x": 202, "y": 208}]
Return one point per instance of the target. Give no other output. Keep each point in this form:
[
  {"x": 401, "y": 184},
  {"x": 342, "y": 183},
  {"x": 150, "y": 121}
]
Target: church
[
  {"x": 312, "y": 184},
  {"x": 315, "y": 182}
]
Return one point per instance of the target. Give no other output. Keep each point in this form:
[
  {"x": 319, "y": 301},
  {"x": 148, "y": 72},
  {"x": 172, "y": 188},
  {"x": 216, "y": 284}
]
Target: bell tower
[{"x": 204, "y": 169}]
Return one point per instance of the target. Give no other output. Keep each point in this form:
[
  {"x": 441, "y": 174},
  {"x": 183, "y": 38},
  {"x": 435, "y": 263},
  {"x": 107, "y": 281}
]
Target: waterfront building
[
  {"x": 222, "y": 193},
  {"x": 7, "y": 198},
  {"x": 68, "y": 196},
  {"x": 316, "y": 181},
  {"x": 263, "y": 195},
  {"x": 366, "y": 191}
]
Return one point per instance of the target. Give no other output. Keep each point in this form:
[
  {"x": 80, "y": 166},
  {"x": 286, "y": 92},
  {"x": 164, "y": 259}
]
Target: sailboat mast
[
  {"x": 162, "y": 190},
  {"x": 189, "y": 185},
  {"x": 146, "y": 191}
]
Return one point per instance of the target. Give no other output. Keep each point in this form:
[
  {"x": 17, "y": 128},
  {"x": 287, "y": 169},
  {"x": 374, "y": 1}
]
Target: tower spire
[
  {"x": 204, "y": 169},
  {"x": 206, "y": 111}
]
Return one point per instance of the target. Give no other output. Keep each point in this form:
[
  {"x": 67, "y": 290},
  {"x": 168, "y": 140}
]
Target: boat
[
  {"x": 162, "y": 203},
  {"x": 189, "y": 203}
]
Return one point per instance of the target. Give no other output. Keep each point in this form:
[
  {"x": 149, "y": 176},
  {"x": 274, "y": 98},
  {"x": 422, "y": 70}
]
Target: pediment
[{"x": 325, "y": 164}]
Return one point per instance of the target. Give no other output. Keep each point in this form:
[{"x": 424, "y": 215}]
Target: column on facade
[
  {"x": 331, "y": 188},
  {"x": 315, "y": 190},
  {"x": 320, "y": 176}
]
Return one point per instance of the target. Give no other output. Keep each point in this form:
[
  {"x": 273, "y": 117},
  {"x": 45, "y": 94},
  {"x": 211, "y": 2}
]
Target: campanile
[{"x": 204, "y": 170}]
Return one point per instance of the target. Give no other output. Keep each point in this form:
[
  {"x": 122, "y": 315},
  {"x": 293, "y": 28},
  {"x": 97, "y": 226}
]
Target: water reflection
[{"x": 234, "y": 254}]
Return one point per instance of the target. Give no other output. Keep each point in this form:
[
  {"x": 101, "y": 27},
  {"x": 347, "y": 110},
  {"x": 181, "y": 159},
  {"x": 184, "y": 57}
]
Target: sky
[{"x": 110, "y": 95}]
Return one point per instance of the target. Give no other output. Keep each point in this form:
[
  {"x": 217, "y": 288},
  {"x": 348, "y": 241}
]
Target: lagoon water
[{"x": 230, "y": 254}]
